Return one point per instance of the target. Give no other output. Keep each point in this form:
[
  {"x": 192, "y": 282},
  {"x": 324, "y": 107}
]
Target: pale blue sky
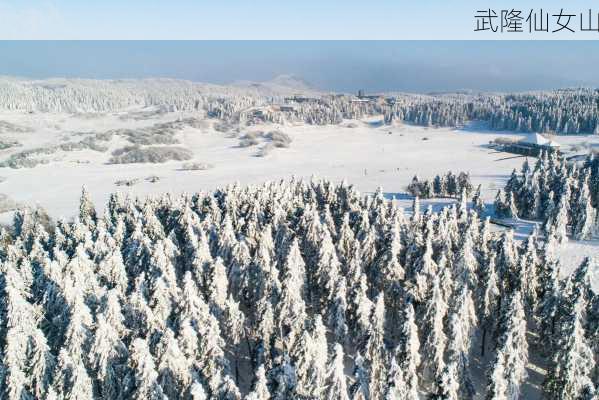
[
  {"x": 347, "y": 65},
  {"x": 417, "y": 66},
  {"x": 259, "y": 19}
]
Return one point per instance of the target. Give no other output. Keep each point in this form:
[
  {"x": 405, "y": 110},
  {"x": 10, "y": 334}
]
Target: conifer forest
[{"x": 290, "y": 290}]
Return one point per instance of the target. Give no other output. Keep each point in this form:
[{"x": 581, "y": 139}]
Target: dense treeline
[
  {"x": 561, "y": 194},
  {"x": 572, "y": 111},
  {"x": 101, "y": 96},
  {"x": 562, "y": 112},
  {"x": 448, "y": 185},
  {"x": 274, "y": 292},
  {"x": 559, "y": 112}
]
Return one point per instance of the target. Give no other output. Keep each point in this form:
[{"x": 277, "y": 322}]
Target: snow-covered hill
[{"x": 281, "y": 85}]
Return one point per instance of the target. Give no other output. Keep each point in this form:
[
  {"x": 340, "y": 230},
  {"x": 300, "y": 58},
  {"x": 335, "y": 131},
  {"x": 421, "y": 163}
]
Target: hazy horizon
[{"x": 341, "y": 66}]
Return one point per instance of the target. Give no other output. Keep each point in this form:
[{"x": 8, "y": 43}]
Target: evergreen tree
[
  {"x": 447, "y": 386},
  {"x": 26, "y": 358},
  {"x": 424, "y": 270},
  {"x": 510, "y": 204},
  {"x": 360, "y": 308},
  {"x": 559, "y": 220},
  {"x": 466, "y": 264},
  {"x": 310, "y": 355},
  {"x": 528, "y": 272},
  {"x": 218, "y": 286},
  {"x": 571, "y": 373},
  {"x": 584, "y": 218},
  {"x": 501, "y": 209},
  {"x": 509, "y": 366},
  {"x": 514, "y": 183},
  {"x": 108, "y": 356},
  {"x": 144, "y": 381},
  {"x": 336, "y": 386},
  {"x": 451, "y": 184},
  {"x": 549, "y": 210},
  {"x": 488, "y": 300},
  {"x": 375, "y": 351},
  {"x": 408, "y": 355},
  {"x": 435, "y": 340},
  {"x": 197, "y": 392},
  {"x": 439, "y": 185},
  {"x": 260, "y": 387},
  {"x": 337, "y": 311},
  {"x": 291, "y": 310},
  {"x": 71, "y": 379},
  {"x": 395, "y": 388},
  {"x": 87, "y": 211},
  {"x": 477, "y": 202},
  {"x": 284, "y": 379},
  {"x": 462, "y": 323},
  {"x": 173, "y": 367},
  {"x": 360, "y": 388}
]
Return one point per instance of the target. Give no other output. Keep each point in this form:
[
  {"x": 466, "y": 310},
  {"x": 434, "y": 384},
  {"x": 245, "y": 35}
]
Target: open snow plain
[{"x": 366, "y": 153}]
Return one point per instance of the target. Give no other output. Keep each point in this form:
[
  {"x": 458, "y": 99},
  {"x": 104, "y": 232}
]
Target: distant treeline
[
  {"x": 566, "y": 111},
  {"x": 560, "y": 112}
]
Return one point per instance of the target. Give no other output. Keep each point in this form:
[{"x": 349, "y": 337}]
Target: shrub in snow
[
  {"x": 159, "y": 133},
  {"x": 29, "y": 158},
  {"x": 196, "y": 166},
  {"x": 153, "y": 179},
  {"x": 278, "y": 138},
  {"x": 9, "y": 127},
  {"x": 156, "y": 154},
  {"x": 147, "y": 136},
  {"x": 43, "y": 155},
  {"x": 127, "y": 182},
  {"x": 7, "y": 144},
  {"x": 248, "y": 141}
]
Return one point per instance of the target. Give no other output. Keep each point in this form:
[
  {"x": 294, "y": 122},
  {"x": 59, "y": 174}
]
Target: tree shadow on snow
[{"x": 397, "y": 196}]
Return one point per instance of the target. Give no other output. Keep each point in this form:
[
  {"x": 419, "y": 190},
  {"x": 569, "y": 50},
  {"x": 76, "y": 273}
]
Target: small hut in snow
[{"x": 532, "y": 145}]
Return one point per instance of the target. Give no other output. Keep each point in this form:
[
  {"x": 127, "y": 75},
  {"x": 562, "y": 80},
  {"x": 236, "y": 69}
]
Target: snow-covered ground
[{"x": 367, "y": 153}]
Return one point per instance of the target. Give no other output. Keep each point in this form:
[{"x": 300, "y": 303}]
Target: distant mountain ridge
[{"x": 281, "y": 83}]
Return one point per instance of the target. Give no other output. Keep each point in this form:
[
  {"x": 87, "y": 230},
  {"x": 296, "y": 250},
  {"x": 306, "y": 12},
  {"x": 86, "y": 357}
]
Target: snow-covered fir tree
[{"x": 508, "y": 370}]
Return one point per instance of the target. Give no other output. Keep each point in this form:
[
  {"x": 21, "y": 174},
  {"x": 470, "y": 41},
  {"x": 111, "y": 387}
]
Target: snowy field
[{"x": 367, "y": 153}]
